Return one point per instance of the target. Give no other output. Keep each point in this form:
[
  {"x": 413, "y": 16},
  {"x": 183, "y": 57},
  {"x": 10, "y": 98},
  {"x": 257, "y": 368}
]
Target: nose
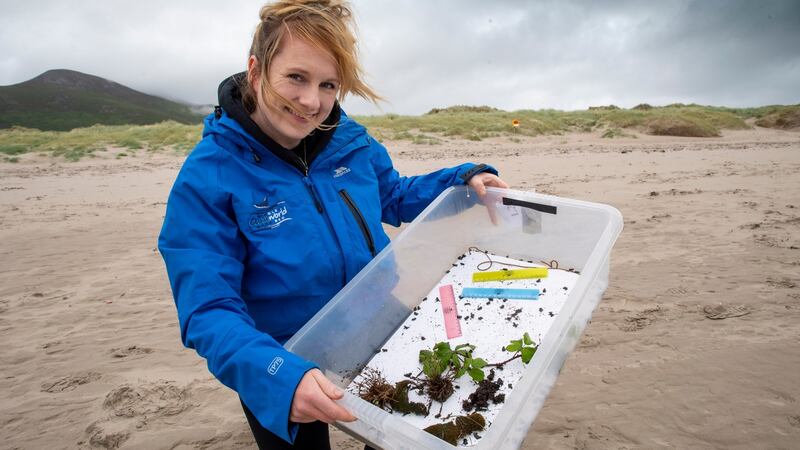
[{"x": 309, "y": 99}]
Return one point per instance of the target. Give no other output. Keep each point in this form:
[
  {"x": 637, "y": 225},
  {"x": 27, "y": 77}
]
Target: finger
[
  {"x": 320, "y": 408},
  {"x": 495, "y": 181},
  {"x": 498, "y": 182},
  {"x": 477, "y": 184},
  {"x": 330, "y": 389},
  {"x": 491, "y": 209},
  {"x": 328, "y": 411}
]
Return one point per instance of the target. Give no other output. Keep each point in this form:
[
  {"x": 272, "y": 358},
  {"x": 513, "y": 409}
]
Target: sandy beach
[{"x": 696, "y": 343}]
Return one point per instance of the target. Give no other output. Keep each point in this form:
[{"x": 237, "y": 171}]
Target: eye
[
  {"x": 329, "y": 85},
  {"x": 295, "y": 76}
]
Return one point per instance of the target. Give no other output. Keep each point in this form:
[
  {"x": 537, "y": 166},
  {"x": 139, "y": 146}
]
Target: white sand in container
[{"x": 488, "y": 324}]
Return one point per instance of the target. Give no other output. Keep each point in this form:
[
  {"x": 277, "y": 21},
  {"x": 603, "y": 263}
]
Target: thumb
[{"x": 330, "y": 389}]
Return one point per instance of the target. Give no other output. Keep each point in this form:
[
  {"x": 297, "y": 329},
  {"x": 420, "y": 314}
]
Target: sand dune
[{"x": 695, "y": 345}]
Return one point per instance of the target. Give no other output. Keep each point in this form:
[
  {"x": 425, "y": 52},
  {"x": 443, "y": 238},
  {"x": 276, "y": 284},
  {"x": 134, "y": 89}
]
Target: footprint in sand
[
  {"x": 133, "y": 350},
  {"x": 642, "y": 319},
  {"x": 718, "y": 312},
  {"x": 157, "y": 399},
  {"x": 677, "y": 291},
  {"x": 101, "y": 437},
  {"x": 782, "y": 283},
  {"x": 69, "y": 383},
  {"x": 130, "y": 408}
]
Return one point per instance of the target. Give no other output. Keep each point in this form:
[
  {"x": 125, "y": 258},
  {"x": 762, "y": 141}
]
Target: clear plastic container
[{"x": 355, "y": 324}]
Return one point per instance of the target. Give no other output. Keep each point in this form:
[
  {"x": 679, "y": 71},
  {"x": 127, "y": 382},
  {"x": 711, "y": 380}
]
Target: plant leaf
[
  {"x": 468, "y": 347},
  {"x": 442, "y": 345},
  {"x": 478, "y": 363},
  {"x": 476, "y": 374},
  {"x": 425, "y": 355},
  {"x": 514, "y": 346},
  {"x": 443, "y": 352},
  {"x": 461, "y": 372},
  {"x": 527, "y": 354},
  {"x": 527, "y": 339}
]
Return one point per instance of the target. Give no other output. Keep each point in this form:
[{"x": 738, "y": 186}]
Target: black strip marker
[{"x": 536, "y": 206}]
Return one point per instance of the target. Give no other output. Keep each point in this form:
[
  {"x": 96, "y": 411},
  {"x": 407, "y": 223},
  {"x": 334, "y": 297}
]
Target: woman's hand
[
  {"x": 480, "y": 181},
  {"x": 314, "y": 400}
]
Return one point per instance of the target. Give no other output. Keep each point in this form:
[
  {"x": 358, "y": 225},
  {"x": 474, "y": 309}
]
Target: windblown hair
[{"x": 326, "y": 24}]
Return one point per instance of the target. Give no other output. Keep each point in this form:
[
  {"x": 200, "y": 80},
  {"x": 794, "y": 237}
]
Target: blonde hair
[{"x": 326, "y": 24}]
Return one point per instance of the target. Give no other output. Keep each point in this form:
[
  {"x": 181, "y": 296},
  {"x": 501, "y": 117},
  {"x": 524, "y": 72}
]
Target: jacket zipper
[
  {"x": 313, "y": 193},
  {"x": 310, "y": 186},
  {"x": 360, "y": 219}
]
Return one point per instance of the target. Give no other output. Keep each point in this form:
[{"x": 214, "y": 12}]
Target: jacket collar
[
  {"x": 347, "y": 136},
  {"x": 230, "y": 102}
]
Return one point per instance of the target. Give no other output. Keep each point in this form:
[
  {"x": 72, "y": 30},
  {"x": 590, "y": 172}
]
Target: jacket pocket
[{"x": 362, "y": 223}]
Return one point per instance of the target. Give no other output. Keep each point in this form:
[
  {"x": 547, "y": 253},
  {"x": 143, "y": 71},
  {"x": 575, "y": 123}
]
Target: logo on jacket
[
  {"x": 261, "y": 204},
  {"x": 340, "y": 171},
  {"x": 276, "y": 364},
  {"x": 269, "y": 218}
]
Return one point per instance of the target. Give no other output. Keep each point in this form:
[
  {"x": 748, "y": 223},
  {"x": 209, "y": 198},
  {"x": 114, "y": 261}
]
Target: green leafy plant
[
  {"x": 443, "y": 360},
  {"x": 442, "y": 365},
  {"x": 523, "y": 348}
]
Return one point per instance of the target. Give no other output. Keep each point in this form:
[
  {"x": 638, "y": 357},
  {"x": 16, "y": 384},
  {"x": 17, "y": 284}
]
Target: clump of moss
[
  {"x": 401, "y": 403},
  {"x": 447, "y": 432},
  {"x": 454, "y": 430},
  {"x": 470, "y": 423}
]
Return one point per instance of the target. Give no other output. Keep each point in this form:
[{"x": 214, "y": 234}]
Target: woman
[{"x": 277, "y": 208}]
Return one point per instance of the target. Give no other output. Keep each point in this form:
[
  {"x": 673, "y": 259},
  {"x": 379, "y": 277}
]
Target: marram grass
[
  {"x": 80, "y": 142},
  {"x": 462, "y": 122}
]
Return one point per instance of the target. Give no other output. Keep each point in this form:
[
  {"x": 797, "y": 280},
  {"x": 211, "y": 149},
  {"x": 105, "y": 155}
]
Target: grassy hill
[
  {"x": 467, "y": 122},
  {"x": 61, "y": 100},
  {"x": 477, "y": 123}
]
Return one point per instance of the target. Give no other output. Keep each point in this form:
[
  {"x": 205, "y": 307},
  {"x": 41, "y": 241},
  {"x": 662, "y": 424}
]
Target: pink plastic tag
[{"x": 451, "y": 324}]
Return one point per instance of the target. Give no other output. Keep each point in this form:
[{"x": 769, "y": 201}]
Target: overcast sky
[{"x": 424, "y": 54}]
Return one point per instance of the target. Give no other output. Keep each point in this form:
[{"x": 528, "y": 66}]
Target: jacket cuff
[
  {"x": 273, "y": 411},
  {"x": 480, "y": 168}
]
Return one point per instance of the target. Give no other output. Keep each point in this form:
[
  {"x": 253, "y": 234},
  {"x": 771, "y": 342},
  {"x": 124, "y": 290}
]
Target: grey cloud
[{"x": 508, "y": 54}]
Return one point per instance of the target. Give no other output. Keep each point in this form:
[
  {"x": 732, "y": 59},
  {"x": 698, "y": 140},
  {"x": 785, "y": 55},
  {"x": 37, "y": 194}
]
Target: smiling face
[{"x": 306, "y": 82}]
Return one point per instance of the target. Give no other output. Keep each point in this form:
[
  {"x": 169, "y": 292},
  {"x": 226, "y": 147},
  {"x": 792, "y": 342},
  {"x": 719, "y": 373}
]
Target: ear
[{"x": 253, "y": 71}]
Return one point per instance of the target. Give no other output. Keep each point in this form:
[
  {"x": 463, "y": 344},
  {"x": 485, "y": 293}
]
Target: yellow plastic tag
[{"x": 518, "y": 274}]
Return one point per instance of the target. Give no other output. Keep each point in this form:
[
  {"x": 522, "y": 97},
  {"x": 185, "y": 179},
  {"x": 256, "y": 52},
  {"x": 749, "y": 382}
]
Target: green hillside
[
  {"x": 477, "y": 123},
  {"x": 61, "y": 100}
]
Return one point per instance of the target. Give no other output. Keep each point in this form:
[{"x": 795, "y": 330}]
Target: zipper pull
[{"x": 313, "y": 193}]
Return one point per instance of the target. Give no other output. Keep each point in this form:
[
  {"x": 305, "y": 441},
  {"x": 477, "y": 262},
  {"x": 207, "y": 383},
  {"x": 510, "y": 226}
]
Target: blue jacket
[{"x": 254, "y": 248}]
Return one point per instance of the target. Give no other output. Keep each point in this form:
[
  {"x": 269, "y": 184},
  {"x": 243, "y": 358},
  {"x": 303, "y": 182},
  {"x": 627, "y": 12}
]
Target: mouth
[{"x": 298, "y": 115}]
